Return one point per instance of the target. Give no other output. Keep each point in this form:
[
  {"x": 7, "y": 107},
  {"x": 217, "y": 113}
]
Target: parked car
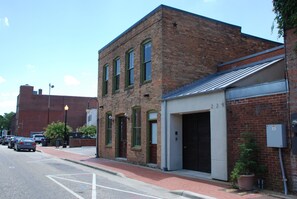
[
  {"x": 38, "y": 138},
  {"x": 5, "y": 139},
  {"x": 12, "y": 141},
  {"x": 25, "y": 143}
]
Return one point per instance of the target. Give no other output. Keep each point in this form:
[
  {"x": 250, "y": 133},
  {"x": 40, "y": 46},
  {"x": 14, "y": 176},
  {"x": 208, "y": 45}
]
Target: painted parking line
[
  {"x": 66, "y": 188},
  {"x": 93, "y": 184}
]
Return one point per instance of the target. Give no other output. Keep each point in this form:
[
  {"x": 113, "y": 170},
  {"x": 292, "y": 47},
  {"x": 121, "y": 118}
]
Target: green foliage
[
  {"x": 5, "y": 121},
  {"x": 286, "y": 14},
  {"x": 247, "y": 162},
  {"x": 57, "y": 130},
  {"x": 89, "y": 131}
]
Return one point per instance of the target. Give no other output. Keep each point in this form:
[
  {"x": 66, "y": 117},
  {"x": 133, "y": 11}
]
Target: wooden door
[
  {"x": 122, "y": 136},
  {"x": 196, "y": 142},
  {"x": 153, "y": 142}
]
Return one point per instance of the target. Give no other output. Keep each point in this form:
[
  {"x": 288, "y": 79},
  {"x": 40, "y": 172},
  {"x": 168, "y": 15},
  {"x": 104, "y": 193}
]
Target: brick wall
[
  {"x": 252, "y": 115},
  {"x": 122, "y": 102},
  {"x": 255, "y": 58},
  {"x": 291, "y": 61},
  {"x": 193, "y": 46},
  {"x": 32, "y": 111},
  {"x": 77, "y": 142}
]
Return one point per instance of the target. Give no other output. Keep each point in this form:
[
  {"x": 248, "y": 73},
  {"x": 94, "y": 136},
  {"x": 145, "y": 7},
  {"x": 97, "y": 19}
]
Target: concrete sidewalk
[{"x": 186, "y": 186}]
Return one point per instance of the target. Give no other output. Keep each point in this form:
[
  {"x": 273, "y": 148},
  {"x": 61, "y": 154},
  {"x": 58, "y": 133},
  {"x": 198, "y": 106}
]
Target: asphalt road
[{"x": 30, "y": 175}]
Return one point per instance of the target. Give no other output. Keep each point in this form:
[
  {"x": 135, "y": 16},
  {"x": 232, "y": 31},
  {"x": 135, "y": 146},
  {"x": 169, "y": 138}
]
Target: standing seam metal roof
[{"x": 220, "y": 80}]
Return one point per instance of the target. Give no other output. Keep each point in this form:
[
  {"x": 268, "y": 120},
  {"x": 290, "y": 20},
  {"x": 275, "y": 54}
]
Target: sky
[{"x": 56, "y": 42}]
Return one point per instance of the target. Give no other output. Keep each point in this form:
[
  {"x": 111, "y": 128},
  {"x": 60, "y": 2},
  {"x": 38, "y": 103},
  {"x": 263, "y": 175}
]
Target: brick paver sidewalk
[{"x": 156, "y": 177}]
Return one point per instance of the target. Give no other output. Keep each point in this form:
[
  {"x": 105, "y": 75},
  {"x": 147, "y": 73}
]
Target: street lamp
[
  {"x": 49, "y": 101},
  {"x": 66, "y": 109}
]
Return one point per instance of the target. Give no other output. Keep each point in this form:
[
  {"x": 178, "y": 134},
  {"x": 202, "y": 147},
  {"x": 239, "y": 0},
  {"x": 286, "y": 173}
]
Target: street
[{"x": 38, "y": 175}]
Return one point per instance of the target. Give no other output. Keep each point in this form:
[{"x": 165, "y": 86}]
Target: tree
[
  {"x": 286, "y": 14},
  {"x": 56, "y": 130},
  {"x": 88, "y": 131},
  {"x": 5, "y": 121}
]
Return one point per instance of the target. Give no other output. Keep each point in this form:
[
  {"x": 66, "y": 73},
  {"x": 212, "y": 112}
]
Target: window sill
[
  {"x": 136, "y": 148},
  {"x": 115, "y": 92},
  {"x": 146, "y": 82},
  {"x": 129, "y": 87},
  {"x": 108, "y": 146}
]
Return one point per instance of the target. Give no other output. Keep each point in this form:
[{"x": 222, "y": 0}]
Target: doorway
[
  {"x": 153, "y": 128},
  {"x": 122, "y": 137},
  {"x": 196, "y": 142}
]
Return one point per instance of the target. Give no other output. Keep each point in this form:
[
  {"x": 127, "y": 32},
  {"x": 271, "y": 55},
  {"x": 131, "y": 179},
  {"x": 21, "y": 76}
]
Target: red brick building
[
  {"x": 291, "y": 63},
  {"x": 33, "y": 115},
  {"x": 165, "y": 50}
]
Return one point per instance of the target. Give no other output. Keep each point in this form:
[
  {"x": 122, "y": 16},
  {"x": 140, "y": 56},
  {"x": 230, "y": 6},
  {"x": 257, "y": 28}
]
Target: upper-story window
[
  {"x": 105, "y": 80},
  {"x": 130, "y": 68},
  {"x": 146, "y": 61},
  {"x": 116, "y": 74}
]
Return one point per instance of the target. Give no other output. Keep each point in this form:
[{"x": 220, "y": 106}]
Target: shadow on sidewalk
[{"x": 151, "y": 174}]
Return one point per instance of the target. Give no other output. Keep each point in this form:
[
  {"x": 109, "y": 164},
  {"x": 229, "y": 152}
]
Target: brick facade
[
  {"x": 291, "y": 61},
  {"x": 185, "y": 47},
  {"x": 252, "y": 115},
  {"x": 32, "y": 110}
]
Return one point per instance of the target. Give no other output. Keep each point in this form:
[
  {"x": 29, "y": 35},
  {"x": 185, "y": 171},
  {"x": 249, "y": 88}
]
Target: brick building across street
[{"x": 33, "y": 114}]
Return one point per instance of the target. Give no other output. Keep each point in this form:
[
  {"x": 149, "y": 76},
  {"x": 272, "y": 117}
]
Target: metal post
[
  {"x": 97, "y": 125},
  {"x": 65, "y": 127},
  {"x": 49, "y": 102}
]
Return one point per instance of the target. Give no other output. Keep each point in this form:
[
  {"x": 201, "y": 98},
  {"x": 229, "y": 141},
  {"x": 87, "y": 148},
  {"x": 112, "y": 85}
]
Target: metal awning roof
[{"x": 220, "y": 81}]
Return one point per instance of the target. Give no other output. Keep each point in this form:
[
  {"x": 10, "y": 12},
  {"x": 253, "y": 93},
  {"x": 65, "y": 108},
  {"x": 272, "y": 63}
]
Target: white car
[{"x": 38, "y": 138}]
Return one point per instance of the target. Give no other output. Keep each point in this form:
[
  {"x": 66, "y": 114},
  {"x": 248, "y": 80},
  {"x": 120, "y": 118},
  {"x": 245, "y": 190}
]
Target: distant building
[
  {"x": 91, "y": 117},
  {"x": 34, "y": 112}
]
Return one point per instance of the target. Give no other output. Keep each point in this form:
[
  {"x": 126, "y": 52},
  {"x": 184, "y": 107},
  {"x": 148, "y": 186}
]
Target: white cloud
[
  {"x": 6, "y": 22},
  {"x": 70, "y": 80},
  {"x": 2, "y": 80}
]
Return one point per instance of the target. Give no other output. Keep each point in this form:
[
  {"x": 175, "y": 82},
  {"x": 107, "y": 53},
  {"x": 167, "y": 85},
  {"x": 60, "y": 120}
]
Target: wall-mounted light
[
  {"x": 111, "y": 118},
  {"x": 126, "y": 115}
]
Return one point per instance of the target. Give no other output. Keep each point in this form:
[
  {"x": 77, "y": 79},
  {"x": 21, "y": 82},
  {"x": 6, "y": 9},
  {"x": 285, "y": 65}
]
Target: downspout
[
  {"x": 165, "y": 136},
  {"x": 283, "y": 171}
]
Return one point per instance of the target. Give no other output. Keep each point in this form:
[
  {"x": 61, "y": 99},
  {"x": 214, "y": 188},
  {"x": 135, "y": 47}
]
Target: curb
[
  {"x": 98, "y": 168},
  {"x": 190, "y": 194}
]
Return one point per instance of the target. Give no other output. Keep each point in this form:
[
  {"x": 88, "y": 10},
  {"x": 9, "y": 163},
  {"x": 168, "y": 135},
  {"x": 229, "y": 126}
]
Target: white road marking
[
  {"x": 94, "y": 193},
  {"x": 42, "y": 160},
  {"x": 110, "y": 188},
  {"x": 69, "y": 190}
]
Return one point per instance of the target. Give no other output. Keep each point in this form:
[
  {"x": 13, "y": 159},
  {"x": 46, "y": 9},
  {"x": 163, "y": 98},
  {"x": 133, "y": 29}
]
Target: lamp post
[
  {"x": 65, "y": 143},
  {"x": 49, "y": 101}
]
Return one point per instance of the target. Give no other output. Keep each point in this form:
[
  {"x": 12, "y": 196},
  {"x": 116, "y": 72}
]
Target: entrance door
[
  {"x": 196, "y": 142},
  {"x": 122, "y": 132},
  {"x": 153, "y": 142}
]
